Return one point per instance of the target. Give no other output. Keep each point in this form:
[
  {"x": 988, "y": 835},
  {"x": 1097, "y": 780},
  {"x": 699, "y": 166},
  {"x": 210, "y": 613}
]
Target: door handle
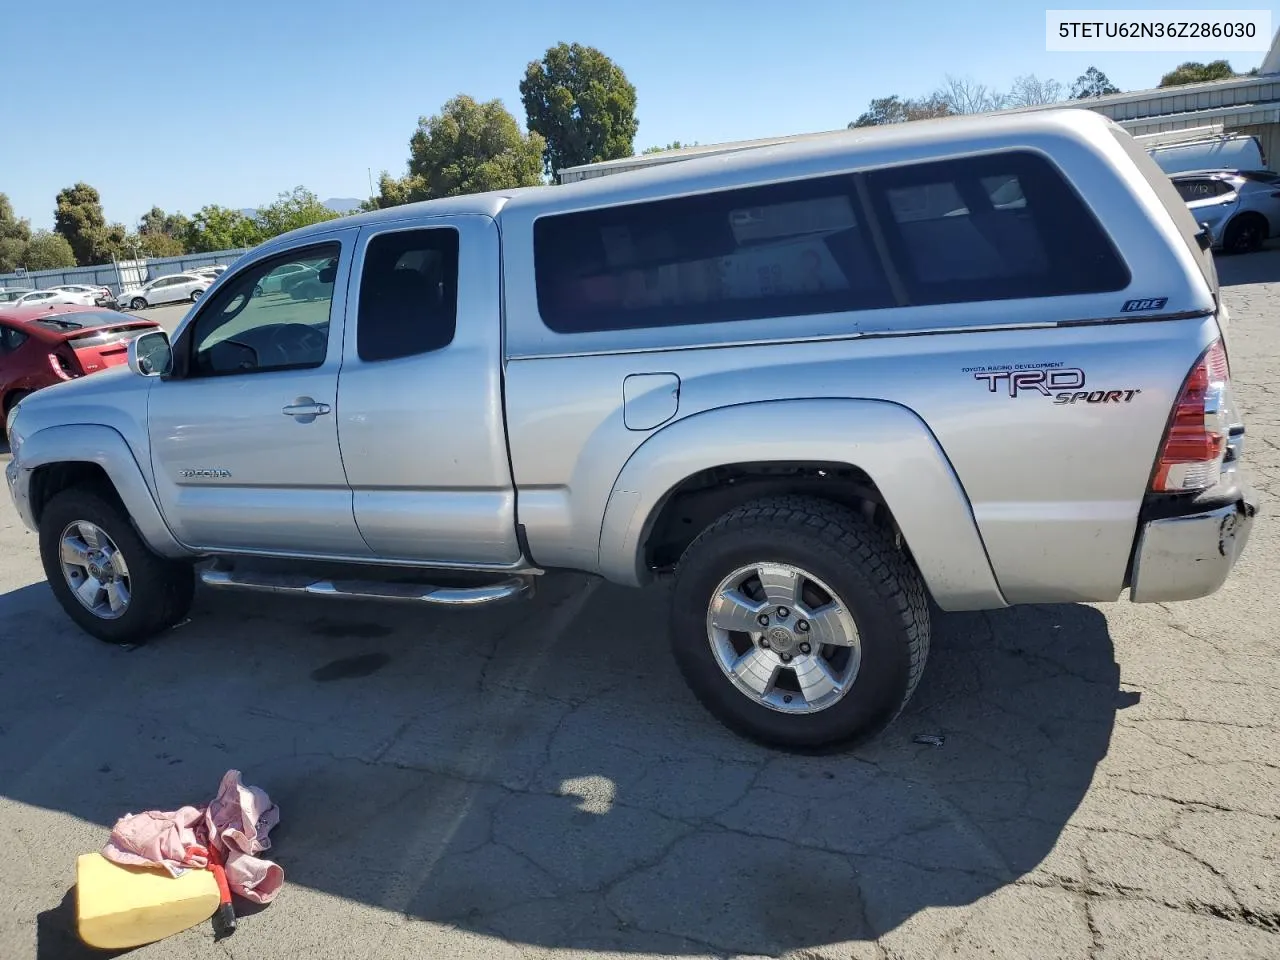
[{"x": 304, "y": 409}]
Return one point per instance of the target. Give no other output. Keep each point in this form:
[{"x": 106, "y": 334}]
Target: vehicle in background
[
  {"x": 170, "y": 289},
  {"x": 68, "y": 341},
  {"x": 86, "y": 295},
  {"x": 1229, "y": 151},
  {"x": 44, "y": 298},
  {"x": 212, "y": 272},
  {"x": 1239, "y": 208},
  {"x": 13, "y": 293},
  {"x": 285, "y": 278}
]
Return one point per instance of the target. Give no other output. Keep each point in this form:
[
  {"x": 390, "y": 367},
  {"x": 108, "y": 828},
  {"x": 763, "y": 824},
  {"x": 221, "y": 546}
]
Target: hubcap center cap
[{"x": 781, "y": 639}]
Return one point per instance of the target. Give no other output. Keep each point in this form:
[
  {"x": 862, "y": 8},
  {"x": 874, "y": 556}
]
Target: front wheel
[
  {"x": 1245, "y": 234},
  {"x": 799, "y": 624},
  {"x": 106, "y": 579}
]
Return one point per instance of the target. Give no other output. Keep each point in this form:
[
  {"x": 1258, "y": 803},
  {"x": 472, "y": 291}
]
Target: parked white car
[
  {"x": 212, "y": 272},
  {"x": 82, "y": 293},
  {"x": 43, "y": 298},
  {"x": 177, "y": 286}
]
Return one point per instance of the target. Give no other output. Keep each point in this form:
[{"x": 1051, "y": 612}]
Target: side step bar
[{"x": 512, "y": 588}]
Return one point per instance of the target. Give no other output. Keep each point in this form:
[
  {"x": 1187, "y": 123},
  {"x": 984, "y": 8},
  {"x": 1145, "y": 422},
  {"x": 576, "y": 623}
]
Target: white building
[{"x": 1249, "y": 105}]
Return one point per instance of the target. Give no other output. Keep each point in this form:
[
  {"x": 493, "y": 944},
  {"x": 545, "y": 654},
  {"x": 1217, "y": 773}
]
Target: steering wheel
[{"x": 297, "y": 338}]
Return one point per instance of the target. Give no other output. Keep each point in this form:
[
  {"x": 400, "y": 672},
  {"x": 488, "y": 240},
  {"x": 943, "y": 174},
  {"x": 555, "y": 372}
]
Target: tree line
[
  {"x": 960, "y": 95},
  {"x": 579, "y": 108}
]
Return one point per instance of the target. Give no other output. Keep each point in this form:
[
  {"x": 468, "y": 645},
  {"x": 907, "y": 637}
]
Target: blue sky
[{"x": 232, "y": 102}]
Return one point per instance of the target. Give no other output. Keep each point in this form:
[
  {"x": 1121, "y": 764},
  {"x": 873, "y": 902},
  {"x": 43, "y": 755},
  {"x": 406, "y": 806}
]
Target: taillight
[
  {"x": 1194, "y": 445},
  {"x": 64, "y": 367}
]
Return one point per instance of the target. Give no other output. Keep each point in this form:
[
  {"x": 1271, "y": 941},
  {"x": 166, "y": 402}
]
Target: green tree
[
  {"x": 79, "y": 218},
  {"x": 468, "y": 147},
  {"x": 895, "y": 109},
  {"x": 48, "y": 251},
  {"x": 292, "y": 209},
  {"x": 157, "y": 244},
  {"x": 174, "y": 226},
  {"x": 15, "y": 234},
  {"x": 1092, "y": 83},
  {"x": 582, "y": 104},
  {"x": 218, "y": 228},
  {"x": 1193, "y": 72}
]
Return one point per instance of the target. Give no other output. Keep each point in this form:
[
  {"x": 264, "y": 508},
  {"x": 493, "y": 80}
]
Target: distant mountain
[{"x": 342, "y": 204}]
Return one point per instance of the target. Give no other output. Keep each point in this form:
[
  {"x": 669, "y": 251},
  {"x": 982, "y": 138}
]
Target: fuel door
[{"x": 649, "y": 399}]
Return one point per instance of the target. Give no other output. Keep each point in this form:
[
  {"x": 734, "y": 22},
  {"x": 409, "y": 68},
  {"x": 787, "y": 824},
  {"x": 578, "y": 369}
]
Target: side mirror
[{"x": 150, "y": 355}]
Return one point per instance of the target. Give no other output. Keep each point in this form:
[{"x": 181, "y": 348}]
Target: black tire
[
  {"x": 195, "y": 295},
  {"x": 13, "y": 400},
  {"x": 137, "y": 303},
  {"x": 1245, "y": 234},
  {"x": 161, "y": 589},
  {"x": 874, "y": 580}
]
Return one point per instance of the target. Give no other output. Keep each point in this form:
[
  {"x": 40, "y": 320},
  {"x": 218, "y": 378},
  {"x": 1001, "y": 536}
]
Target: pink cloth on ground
[{"x": 237, "y": 821}]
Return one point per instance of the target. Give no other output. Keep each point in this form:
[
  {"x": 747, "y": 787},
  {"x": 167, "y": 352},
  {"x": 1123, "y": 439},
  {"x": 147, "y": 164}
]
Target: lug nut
[
  {"x": 804, "y": 648},
  {"x": 764, "y": 644},
  {"x": 763, "y": 619},
  {"x": 783, "y": 612},
  {"x": 802, "y": 626},
  {"x": 786, "y": 658}
]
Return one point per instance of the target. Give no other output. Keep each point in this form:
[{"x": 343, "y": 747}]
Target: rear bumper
[{"x": 1190, "y": 556}]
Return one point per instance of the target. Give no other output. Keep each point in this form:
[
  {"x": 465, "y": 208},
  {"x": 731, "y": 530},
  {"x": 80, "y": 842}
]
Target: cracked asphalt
[{"x": 535, "y": 781}]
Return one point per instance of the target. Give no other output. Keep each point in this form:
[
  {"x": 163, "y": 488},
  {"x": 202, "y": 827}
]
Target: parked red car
[{"x": 46, "y": 345}]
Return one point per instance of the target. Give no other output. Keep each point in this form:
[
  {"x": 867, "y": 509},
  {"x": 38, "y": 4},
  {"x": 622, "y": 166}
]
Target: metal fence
[{"x": 106, "y": 275}]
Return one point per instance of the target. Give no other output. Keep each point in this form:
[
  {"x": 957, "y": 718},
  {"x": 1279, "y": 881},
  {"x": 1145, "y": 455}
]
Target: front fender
[
  {"x": 92, "y": 443},
  {"x": 885, "y": 440}
]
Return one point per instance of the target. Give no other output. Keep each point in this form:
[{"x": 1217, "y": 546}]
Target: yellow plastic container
[{"x": 119, "y": 907}]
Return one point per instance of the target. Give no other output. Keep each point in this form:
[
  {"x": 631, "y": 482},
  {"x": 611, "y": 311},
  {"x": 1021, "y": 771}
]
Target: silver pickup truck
[{"x": 818, "y": 386}]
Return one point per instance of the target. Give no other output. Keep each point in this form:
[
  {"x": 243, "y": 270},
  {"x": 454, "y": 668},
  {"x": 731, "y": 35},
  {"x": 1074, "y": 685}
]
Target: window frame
[
  {"x": 184, "y": 347},
  {"x": 358, "y": 288},
  {"x": 728, "y": 311}
]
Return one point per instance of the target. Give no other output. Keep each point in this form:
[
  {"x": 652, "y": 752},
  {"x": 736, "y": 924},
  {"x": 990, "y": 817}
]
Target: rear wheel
[
  {"x": 137, "y": 303},
  {"x": 106, "y": 579},
  {"x": 195, "y": 295},
  {"x": 798, "y": 623},
  {"x": 1245, "y": 234}
]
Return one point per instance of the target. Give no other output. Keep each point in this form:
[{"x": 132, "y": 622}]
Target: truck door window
[
  {"x": 408, "y": 294},
  {"x": 253, "y": 326},
  {"x": 994, "y": 227},
  {"x": 783, "y": 250}
]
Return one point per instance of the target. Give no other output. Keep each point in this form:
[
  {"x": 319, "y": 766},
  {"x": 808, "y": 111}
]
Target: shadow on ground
[
  {"x": 539, "y": 772},
  {"x": 1239, "y": 269}
]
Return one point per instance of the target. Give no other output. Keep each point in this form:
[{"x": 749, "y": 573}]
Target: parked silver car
[{"x": 1240, "y": 208}]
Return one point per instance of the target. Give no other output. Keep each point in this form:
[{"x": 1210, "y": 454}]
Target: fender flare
[
  {"x": 887, "y": 441},
  {"x": 104, "y": 446}
]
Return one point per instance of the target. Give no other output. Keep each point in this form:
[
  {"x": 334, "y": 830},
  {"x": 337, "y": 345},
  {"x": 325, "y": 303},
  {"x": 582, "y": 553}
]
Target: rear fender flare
[
  {"x": 887, "y": 441},
  {"x": 101, "y": 445}
]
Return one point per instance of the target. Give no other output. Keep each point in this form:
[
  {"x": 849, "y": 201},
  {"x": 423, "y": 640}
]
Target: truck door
[
  {"x": 420, "y": 418},
  {"x": 244, "y": 440}
]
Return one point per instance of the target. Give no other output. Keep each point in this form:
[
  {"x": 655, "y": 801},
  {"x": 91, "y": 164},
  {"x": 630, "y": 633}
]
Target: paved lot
[{"x": 535, "y": 780}]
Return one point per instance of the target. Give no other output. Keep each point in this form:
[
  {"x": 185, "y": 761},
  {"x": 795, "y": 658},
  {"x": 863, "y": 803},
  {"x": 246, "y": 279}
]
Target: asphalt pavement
[{"x": 535, "y": 780}]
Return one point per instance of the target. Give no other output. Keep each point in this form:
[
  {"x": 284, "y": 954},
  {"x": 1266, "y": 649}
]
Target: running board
[{"x": 512, "y": 588}]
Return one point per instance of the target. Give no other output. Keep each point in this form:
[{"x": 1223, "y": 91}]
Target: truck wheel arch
[
  {"x": 883, "y": 442},
  {"x": 73, "y": 454}
]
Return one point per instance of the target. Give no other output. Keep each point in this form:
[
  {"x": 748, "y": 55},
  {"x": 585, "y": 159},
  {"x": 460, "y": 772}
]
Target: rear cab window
[
  {"x": 994, "y": 227},
  {"x": 773, "y": 251}
]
